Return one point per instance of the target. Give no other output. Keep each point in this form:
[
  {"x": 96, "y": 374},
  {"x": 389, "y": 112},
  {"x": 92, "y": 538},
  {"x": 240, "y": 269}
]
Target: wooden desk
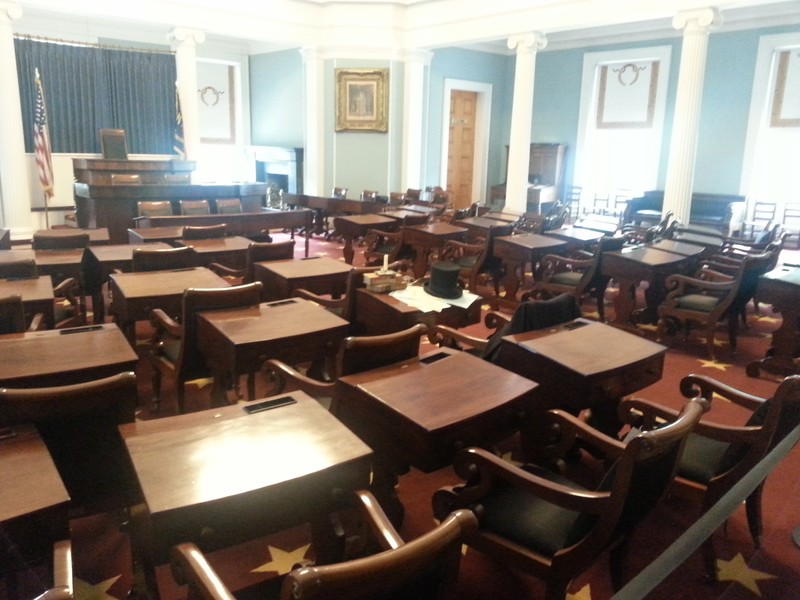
[
  {"x": 64, "y": 356},
  {"x": 781, "y": 289},
  {"x": 424, "y": 239},
  {"x": 421, "y": 412},
  {"x": 377, "y": 314},
  {"x": 431, "y": 211},
  {"x": 478, "y": 227},
  {"x": 356, "y": 226},
  {"x": 678, "y": 247},
  {"x": 294, "y": 330},
  {"x": 100, "y": 261},
  {"x": 502, "y": 216},
  {"x": 628, "y": 267},
  {"x": 134, "y": 295},
  {"x": 584, "y": 364},
  {"x": 321, "y": 275},
  {"x": 230, "y": 251},
  {"x": 33, "y": 501},
  {"x": 224, "y": 476},
  {"x": 56, "y": 263},
  {"x": 37, "y": 296},
  {"x": 712, "y": 242},
  {"x": 166, "y": 234},
  {"x": 97, "y": 236},
  {"x": 516, "y": 251},
  {"x": 326, "y": 207},
  {"x": 577, "y": 238}
]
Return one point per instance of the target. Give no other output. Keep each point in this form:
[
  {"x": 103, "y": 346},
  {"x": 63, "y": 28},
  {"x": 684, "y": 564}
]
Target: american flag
[
  {"x": 41, "y": 142},
  {"x": 179, "y": 145}
]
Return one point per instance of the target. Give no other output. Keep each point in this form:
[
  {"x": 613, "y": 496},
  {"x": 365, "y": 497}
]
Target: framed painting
[{"x": 362, "y": 100}]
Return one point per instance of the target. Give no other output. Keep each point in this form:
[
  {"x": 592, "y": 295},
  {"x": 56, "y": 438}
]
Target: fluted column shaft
[
  {"x": 521, "y": 118},
  {"x": 186, "y": 65},
  {"x": 415, "y": 63},
  {"x": 15, "y": 187},
  {"x": 696, "y": 25},
  {"x": 314, "y": 155}
]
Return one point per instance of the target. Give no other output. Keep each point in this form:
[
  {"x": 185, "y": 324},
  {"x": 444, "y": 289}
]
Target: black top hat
[{"x": 444, "y": 280}]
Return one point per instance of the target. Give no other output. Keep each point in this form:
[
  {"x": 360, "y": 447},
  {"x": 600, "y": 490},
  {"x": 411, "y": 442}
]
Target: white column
[
  {"x": 688, "y": 100},
  {"x": 186, "y": 66},
  {"x": 526, "y": 46},
  {"x": 15, "y": 187},
  {"x": 415, "y": 64},
  {"x": 314, "y": 155}
]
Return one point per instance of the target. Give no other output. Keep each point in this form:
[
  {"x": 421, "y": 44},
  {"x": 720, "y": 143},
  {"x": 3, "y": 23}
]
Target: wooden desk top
[
  {"x": 365, "y": 220},
  {"x": 155, "y": 234},
  {"x": 421, "y": 410},
  {"x": 308, "y": 267},
  {"x": 782, "y": 276},
  {"x": 502, "y": 216},
  {"x": 67, "y": 355},
  {"x": 120, "y": 253},
  {"x": 222, "y": 453},
  {"x": 480, "y": 222},
  {"x": 271, "y": 321},
  {"x": 428, "y": 210},
  {"x": 44, "y": 258},
  {"x": 398, "y": 214},
  {"x": 678, "y": 247},
  {"x": 588, "y": 348},
  {"x": 31, "y": 289},
  {"x": 230, "y": 243},
  {"x": 691, "y": 237},
  {"x": 29, "y": 481},
  {"x": 150, "y": 284},
  {"x": 437, "y": 229},
  {"x": 575, "y": 234},
  {"x": 644, "y": 255},
  {"x": 530, "y": 241}
]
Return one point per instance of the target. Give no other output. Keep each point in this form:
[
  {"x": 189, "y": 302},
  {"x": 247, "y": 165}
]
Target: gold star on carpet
[
  {"x": 201, "y": 382},
  {"x": 767, "y": 319},
  {"x": 585, "y": 593},
  {"x": 712, "y": 364},
  {"x": 647, "y": 327},
  {"x": 592, "y": 315},
  {"x": 717, "y": 342},
  {"x": 83, "y": 590},
  {"x": 737, "y": 570},
  {"x": 282, "y": 562}
]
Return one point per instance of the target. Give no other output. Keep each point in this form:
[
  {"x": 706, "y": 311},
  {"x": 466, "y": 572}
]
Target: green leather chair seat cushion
[
  {"x": 571, "y": 278},
  {"x": 697, "y": 302}
]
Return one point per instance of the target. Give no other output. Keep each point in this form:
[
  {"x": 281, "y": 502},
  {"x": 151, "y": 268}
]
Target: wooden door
[{"x": 461, "y": 148}]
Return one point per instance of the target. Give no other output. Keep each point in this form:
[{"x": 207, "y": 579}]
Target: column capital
[
  {"x": 420, "y": 57},
  {"x": 10, "y": 10},
  {"x": 532, "y": 41},
  {"x": 183, "y": 35},
  {"x": 699, "y": 19}
]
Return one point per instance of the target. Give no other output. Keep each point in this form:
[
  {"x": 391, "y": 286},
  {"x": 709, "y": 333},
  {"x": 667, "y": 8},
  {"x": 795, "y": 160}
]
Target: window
[{"x": 621, "y": 121}]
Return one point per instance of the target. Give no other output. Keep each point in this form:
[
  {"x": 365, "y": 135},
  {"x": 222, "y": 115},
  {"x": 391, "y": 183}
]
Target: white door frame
[{"x": 483, "y": 118}]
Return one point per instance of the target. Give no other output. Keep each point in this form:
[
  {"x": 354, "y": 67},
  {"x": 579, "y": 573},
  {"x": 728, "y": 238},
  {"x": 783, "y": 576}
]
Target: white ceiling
[{"x": 253, "y": 26}]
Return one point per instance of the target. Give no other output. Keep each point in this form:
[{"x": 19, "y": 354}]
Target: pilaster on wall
[
  {"x": 526, "y": 45},
  {"x": 186, "y": 41},
  {"x": 15, "y": 188},
  {"x": 696, "y": 25},
  {"x": 314, "y": 156},
  {"x": 416, "y": 62}
]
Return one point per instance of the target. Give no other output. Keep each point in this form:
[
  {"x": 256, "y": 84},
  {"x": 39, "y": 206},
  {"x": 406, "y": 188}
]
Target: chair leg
[
  {"x": 753, "y": 510},
  {"x": 617, "y": 564},
  {"x": 155, "y": 382},
  {"x": 181, "y": 395},
  {"x": 710, "y": 341},
  {"x": 709, "y": 558}
]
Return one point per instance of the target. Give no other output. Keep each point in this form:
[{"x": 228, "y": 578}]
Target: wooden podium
[{"x": 107, "y": 192}]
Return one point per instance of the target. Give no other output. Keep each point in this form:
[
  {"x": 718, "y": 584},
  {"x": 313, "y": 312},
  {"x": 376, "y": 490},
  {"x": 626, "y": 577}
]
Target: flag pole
[{"x": 42, "y": 153}]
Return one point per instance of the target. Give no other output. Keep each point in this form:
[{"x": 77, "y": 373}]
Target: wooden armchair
[
  {"x": 79, "y": 424},
  {"x": 477, "y": 260},
  {"x": 563, "y": 275},
  {"x": 173, "y": 347},
  {"x": 704, "y": 299},
  {"x": 45, "y": 240},
  {"x": 378, "y": 244},
  {"x": 62, "y": 588},
  {"x": 12, "y": 316},
  {"x": 369, "y": 195},
  {"x": 204, "y": 232},
  {"x": 356, "y": 354},
  {"x": 528, "y": 316},
  {"x": 256, "y": 252},
  {"x": 426, "y": 567},
  {"x": 162, "y": 259},
  {"x": 228, "y": 206},
  {"x": 718, "y": 455},
  {"x": 549, "y": 526},
  {"x": 194, "y": 207},
  {"x": 68, "y": 306},
  {"x": 155, "y": 208}
]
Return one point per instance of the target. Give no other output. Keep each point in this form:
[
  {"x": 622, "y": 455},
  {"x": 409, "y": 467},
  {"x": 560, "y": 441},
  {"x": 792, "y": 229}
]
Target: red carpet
[{"x": 102, "y": 555}]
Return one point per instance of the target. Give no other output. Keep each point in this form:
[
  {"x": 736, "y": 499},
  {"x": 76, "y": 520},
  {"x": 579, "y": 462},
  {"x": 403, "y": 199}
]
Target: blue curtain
[{"x": 88, "y": 88}]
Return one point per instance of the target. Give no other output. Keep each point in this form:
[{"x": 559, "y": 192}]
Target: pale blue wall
[
  {"x": 276, "y": 99},
  {"x": 483, "y": 67}
]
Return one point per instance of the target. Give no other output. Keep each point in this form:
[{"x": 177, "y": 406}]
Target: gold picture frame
[{"x": 362, "y": 100}]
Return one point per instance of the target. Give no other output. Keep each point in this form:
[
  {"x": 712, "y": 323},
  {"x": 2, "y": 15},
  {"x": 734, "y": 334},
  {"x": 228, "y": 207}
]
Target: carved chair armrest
[
  {"x": 678, "y": 285},
  {"x": 443, "y": 335},
  {"x": 329, "y": 303},
  {"x": 381, "y": 527},
  {"x": 702, "y": 385},
  {"x": 62, "y": 573},
  {"x": 483, "y": 470},
  {"x": 163, "y": 323},
  {"x": 496, "y": 320},
  {"x": 190, "y": 567},
  {"x": 284, "y": 374},
  {"x": 554, "y": 263},
  {"x": 70, "y": 289},
  {"x": 224, "y": 271}
]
